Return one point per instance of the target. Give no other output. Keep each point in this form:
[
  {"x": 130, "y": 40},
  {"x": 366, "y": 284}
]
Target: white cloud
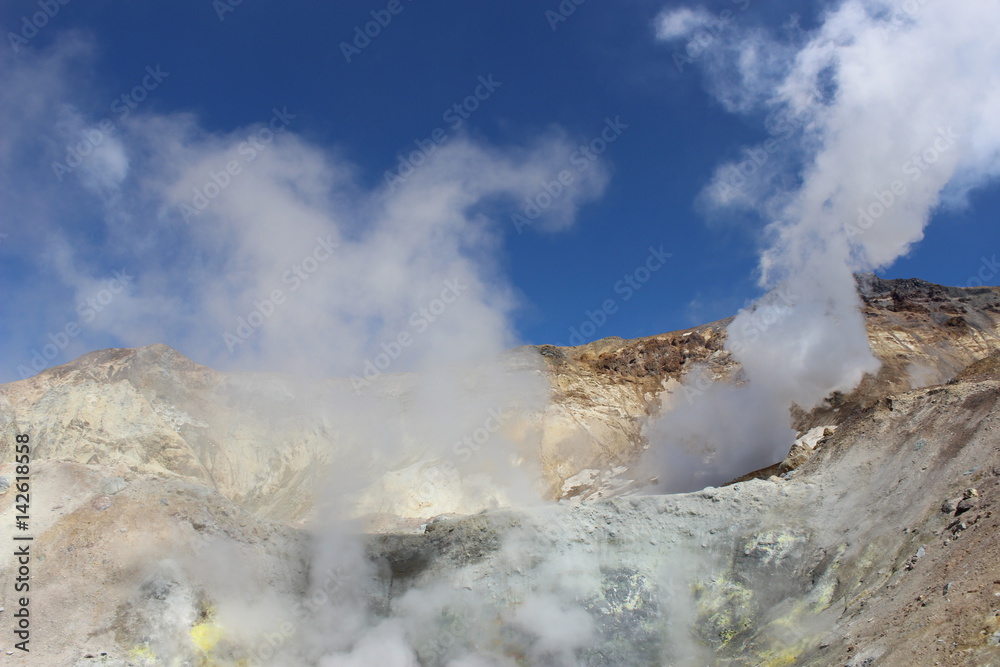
[
  {"x": 397, "y": 250},
  {"x": 680, "y": 22}
]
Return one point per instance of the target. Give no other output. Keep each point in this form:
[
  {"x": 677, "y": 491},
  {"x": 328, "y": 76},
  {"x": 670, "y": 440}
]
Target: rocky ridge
[{"x": 161, "y": 487}]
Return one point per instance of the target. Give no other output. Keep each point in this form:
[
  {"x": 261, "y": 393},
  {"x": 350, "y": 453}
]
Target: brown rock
[
  {"x": 101, "y": 502},
  {"x": 967, "y": 504}
]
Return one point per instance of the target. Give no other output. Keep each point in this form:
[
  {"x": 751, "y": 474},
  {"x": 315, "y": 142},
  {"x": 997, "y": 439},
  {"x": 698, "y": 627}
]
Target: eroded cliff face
[
  {"x": 188, "y": 504},
  {"x": 924, "y": 334},
  {"x": 266, "y": 441},
  {"x": 601, "y": 394},
  {"x": 153, "y": 410}
]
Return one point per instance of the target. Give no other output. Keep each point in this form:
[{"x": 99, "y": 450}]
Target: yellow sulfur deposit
[{"x": 206, "y": 635}]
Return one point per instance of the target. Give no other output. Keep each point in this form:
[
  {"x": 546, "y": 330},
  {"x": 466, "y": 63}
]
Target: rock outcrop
[{"x": 817, "y": 569}]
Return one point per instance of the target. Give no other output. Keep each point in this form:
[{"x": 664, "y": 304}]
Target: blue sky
[{"x": 602, "y": 65}]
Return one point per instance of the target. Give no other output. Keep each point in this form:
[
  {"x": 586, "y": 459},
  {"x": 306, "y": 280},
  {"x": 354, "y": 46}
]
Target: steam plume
[{"x": 876, "y": 118}]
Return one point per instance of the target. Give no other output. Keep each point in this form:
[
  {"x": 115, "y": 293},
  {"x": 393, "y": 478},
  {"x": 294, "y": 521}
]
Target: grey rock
[
  {"x": 158, "y": 587},
  {"x": 113, "y": 485},
  {"x": 4, "y": 484}
]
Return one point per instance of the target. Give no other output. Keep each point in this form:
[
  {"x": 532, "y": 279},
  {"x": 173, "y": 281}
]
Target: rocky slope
[
  {"x": 852, "y": 561},
  {"x": 265, "y": 441},
  {"x": 161, "y": 488},
  {"x": 924, "y": 334}
]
